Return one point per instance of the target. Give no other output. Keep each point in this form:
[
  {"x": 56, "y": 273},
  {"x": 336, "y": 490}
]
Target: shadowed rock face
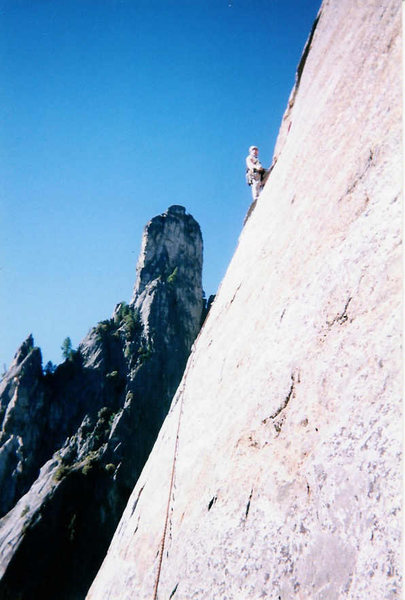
[
  {"x": 277, "y": 471},
  {"x": 73, "y": 442}
]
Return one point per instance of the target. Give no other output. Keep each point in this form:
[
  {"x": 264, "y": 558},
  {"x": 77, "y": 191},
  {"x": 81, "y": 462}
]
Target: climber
[{"x": 255, "y": 172}]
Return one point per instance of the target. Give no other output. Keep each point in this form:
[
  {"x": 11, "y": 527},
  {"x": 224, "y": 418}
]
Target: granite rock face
[
  {"x": 74, "y": 441},
  {"x": 277, "y": 472},
  {"x": 166, "y": 250}
]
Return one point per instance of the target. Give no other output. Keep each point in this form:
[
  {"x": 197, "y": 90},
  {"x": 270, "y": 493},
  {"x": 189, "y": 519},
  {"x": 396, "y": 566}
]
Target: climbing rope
[{"x": 176, "y": 446}]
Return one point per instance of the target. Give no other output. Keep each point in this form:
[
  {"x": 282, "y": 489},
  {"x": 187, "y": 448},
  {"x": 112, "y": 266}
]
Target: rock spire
[{"x": 74, "y": 441}]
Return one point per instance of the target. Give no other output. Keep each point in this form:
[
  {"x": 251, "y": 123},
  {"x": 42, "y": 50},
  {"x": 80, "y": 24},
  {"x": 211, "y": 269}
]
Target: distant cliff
[
  {"x": 73, "y": 442},
  {"x": 277, "y": 473}
]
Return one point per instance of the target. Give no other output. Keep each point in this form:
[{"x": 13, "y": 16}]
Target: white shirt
[{"x": 252, "y": 162}]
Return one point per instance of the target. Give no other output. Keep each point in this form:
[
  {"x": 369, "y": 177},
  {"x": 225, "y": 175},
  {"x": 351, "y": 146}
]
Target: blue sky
[{"x": 110, "y": 112}]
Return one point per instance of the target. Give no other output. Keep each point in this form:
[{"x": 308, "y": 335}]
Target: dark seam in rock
[
  {"x": 300, "y": 68},
  {"x": 174, "y": 591},
  {"x": 212, "y": 502},
  {"x": 285, "y": 403},
  {"x": 343, "y": 317},
  {"x": 137, "y": 500},
  {"x": 236, "y": 291},
  {"x": 248, "y": 504},
  {"x": 249, "y": 212},
  {"x": 305, "y": 53},
  {"x": 359, "y": 178}
]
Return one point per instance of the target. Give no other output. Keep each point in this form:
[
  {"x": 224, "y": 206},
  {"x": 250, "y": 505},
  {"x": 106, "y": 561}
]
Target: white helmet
[{"x": 253, "y": 148}]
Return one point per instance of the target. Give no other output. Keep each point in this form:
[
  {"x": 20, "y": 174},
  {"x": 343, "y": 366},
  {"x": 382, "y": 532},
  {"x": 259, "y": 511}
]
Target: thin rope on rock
[{"x": 176, "y": 446}]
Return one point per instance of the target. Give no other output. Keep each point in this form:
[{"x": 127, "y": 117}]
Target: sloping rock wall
[{"x": 277, "y": 471}]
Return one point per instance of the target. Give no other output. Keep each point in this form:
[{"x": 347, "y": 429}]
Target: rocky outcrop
[
  {"x": 22, "y": 406},
  {"x": 167, "y": 257},
  {"x": 74, "y": 441},
  {"x": 277, "y": 472},
  {"x": 38, "y": 411}
]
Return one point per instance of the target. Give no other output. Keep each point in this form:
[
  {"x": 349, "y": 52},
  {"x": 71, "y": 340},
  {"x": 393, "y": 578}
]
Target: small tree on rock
[
  {"x": 49, "y": 368},
  {"x": 67, "y": 349}
]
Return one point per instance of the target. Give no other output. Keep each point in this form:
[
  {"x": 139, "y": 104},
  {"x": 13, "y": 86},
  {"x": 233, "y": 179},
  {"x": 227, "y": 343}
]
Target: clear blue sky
[{"x": 111, "y": 111}]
